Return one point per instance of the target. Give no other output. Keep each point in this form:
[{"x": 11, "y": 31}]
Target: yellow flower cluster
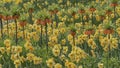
[
  {"x": 92, "y": 44},
  {"x": 56, "y": 50},
  {"x": 50, "y": 63},
  {"x": 77, "y": 54},
  {"x": 111, "y": 43},
  {"x": 100, "y": 65},
  {"x": 15, "y": 53},
  {"x": 70, "y": 65}
]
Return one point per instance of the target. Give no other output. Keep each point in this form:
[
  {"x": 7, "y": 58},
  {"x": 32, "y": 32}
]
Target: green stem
[
  {"x": 74, "y": 40},
  {"x": 1, "y": 28},
  {"x": 92, "y": 19},
  {"x": 30, "y": 16},
  {"x": 56, "y": 20},
  {"x": 16, "y": 40},
  {"x": 82, "y": 22},
  {"x": 7, "y": 28},
  {"x": 46, "y": 37},
  {"x": 23, "y": 32},
  {"x": 114, "y": 12},
  {"x": 41, "y": 34},
  {"x": 108, "y": 57}
]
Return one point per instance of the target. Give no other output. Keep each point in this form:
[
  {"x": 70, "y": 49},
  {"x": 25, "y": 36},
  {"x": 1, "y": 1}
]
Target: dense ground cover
[{"x": 59, "y": 34}]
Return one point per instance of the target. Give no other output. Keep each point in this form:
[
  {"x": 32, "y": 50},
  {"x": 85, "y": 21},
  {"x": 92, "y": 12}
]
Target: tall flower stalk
[
  {"x": 1, "y": 25},
  {"x": 108, "y": 12},
  {"x": 73, "y": 12},
  {"x": 82, "y": 11},
  {"x": 47, "y": 20},
  {"x": 1, "y": 17},
  {"x": 73, "y": 32},
  {"x": 92, "y": 10},
  {"x": 23, "y": 22},
  {"x": 46, "y": 27},
  {"x": 15, "y": 15},
  {"x": 29, "y": 7},
  {"x": 6, "y": 18},
  {"x": 53, "y": 9},
  {"x": 108, "y": 30},
  {"x": 40, "y": 22},
  {"x": 114, "y": 4},
  {"x": 44, "y": 19},
  {"x": 89, "y": 31}
]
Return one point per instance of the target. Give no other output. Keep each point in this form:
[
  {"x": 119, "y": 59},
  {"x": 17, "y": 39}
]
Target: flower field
[{"x": 59, "y": 34}]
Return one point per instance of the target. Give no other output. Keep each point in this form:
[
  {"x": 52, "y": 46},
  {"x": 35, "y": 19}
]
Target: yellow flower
[
  {"x": 80, "y": 40},
  {"x": 36, "y": 38},
  {"x": 7, "y": 1},
  {"x": 84, "y": 37},
  {"x": 46, "y": 3},
  {"x": 14, "y": 57},
  {"x": 80, "y": 66},
  {"x": 18, "y": 1},
  {"x": 68, "y": 3},
  {"x": 54, "y": 24},
  {"x": 72, "y": 56},
  {"x": 63, "y": 42},
  {"x": 19, "y": 34},
  {"x": 27, "y": 45},
  {"x": 90, "y": 42},
  {"x": 2, "y": 50},
  {"x": 118, "y": 30},
  {"x": 11, "y": 33},
  {"x": 61, "y": 25},
  {"x": 22, "y": 59},
  {"x": 70, "y": 37},
  {"x": 13, "y": 49},
  {"x": 62, "y": 30},
  {"x": 112, "y": 15},
  {"x": 78, "y": 58},
  {"x": 76, "y": 16},
  {"x": 56, "y": 32},
  {"x": 30, "y": 56},
  {"x": 50, "y": 63},
  {"x": 114, "y": 43},
  {"x": 118, "y": 10},
  {"x": 8, "y": 50},
  {"x": 65, "y": 49},
  {"x": 56, "y": 50},
  {"x": 100, "y": 65},
  {"x": 62, "y": 57},
  {"x": 38, "y": 28},
  {"x": 78, "y": 25},
  {"x": 93, "y": 53},
  {"x": 93, "y": 46},
  {"x": 84, "y": 17},
  {"x": 53, "y": 39},
  {"x": 106, "y": 49},
  {"x": 7, "y": 43},
  {"x": 31, "y": 48},
  {"x": 18, "y": 49},
  {"x": 97, "y": 1},
  {"x": 104, "y": 42},
  {"x": 71, "y": 65},
  {"x": 97, "y": 17},
  {"x": 17, "y": 63},
  {"x": 57, "y": 65},
  {"x": 37, "y": 60}
]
